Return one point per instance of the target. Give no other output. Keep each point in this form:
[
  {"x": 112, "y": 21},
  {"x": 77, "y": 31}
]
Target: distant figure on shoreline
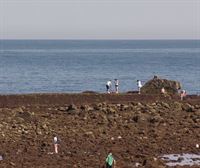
[
  {"x": 139, "y": 85},
  {"x": 108, "y": 86},
  {"x": 183, "y": 94},
  {"x": 56, "y": 143},
  {"x": 110, "y": 161},
  {"x": 116, "y": 81}
]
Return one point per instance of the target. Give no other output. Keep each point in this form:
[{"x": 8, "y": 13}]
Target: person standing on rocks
[
  {"x": 56, "y": 143},
  {"x": 116, "y": 81},
  {"x": 108, "y": 86},
  {"x": 183, "y": 94},
  {"x": 110, "y": 161},
  {"x": 139, "y": 85}
]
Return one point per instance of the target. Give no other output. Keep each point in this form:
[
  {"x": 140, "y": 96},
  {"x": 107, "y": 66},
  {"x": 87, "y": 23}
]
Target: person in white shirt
[
  {"x": 139, "y": 85},
  {"x": 108, "y": 86},
  {"x": 56, "y": 143},
  {"x": 116, "y": 81}
]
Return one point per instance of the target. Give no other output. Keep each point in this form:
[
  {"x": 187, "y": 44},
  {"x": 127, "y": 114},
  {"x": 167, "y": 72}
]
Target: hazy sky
[{"x": 100, "y": 19}]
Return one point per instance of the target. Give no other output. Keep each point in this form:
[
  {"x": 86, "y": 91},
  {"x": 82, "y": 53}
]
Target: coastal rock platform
[{"x": 138, "y": 129}]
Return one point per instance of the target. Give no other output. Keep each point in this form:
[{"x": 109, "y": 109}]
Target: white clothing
[
  {"x": 109, "y": 83},
  {"x": 183, "y": 91},
  {"x": 163, "y": 90},
  {"x": 55, "y": 140},
  {"x": 139, "y": 84}
]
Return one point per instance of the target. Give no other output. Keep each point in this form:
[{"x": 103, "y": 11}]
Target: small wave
[{"x": 144, "y": 50}]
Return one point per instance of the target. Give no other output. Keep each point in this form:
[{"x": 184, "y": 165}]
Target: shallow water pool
[{"x": 184, "y": 159}]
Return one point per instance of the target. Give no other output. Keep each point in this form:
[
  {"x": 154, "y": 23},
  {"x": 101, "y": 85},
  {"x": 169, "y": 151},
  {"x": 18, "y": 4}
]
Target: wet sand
[{"x": 138, "y": 129}]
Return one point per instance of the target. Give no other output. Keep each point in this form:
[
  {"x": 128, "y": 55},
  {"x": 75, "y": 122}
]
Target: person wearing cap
[{"x": 110, "y": 161}]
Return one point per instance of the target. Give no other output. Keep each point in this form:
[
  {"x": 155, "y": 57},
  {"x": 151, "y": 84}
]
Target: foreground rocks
[{"x": 138, "y": 132}]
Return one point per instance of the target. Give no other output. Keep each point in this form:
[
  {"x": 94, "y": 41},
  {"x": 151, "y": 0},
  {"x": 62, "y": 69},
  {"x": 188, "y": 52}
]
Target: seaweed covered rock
[{"x": 155, "y": 85}]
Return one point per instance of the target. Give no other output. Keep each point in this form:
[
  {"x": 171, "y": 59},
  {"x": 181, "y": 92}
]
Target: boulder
[
  {"x": 111, "y": 110},
  {"x": 86, "y": 108},
  {"x": 72, "y": 107},
  {"x": 188, "y": 108},
  {"x": 165, "y": 105},
  {"x": 177, "y": 106},
  {"x": 63, "y": 108},
  {"x": 124, "y": 107},
  {"x": 25, "y": 115},
  {"x": 155, "y": 119},
  {"x": 155, "y": 85}
]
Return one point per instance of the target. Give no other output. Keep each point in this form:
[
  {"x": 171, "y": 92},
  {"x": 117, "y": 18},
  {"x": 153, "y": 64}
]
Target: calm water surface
[{"x": 30, "y": 66}]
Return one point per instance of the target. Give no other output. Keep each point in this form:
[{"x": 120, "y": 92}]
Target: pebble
[
  {"x": 137, "y": 164},
  {"x": 119, "y": 137}
]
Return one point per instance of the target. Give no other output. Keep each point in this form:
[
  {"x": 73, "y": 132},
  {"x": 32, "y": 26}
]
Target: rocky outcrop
[{"x": 155, "y": 85}]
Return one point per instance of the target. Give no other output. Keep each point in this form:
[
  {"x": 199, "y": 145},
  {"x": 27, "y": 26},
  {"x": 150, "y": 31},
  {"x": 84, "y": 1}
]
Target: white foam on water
[{"x": 184, "y": 159}]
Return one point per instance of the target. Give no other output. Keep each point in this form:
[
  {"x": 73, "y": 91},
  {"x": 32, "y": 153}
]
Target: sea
[{"x": 75, "y": 66}]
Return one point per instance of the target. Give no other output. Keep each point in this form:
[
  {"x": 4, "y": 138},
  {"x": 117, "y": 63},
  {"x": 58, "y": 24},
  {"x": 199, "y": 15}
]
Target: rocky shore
[{"x": 138, "y": 129}]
